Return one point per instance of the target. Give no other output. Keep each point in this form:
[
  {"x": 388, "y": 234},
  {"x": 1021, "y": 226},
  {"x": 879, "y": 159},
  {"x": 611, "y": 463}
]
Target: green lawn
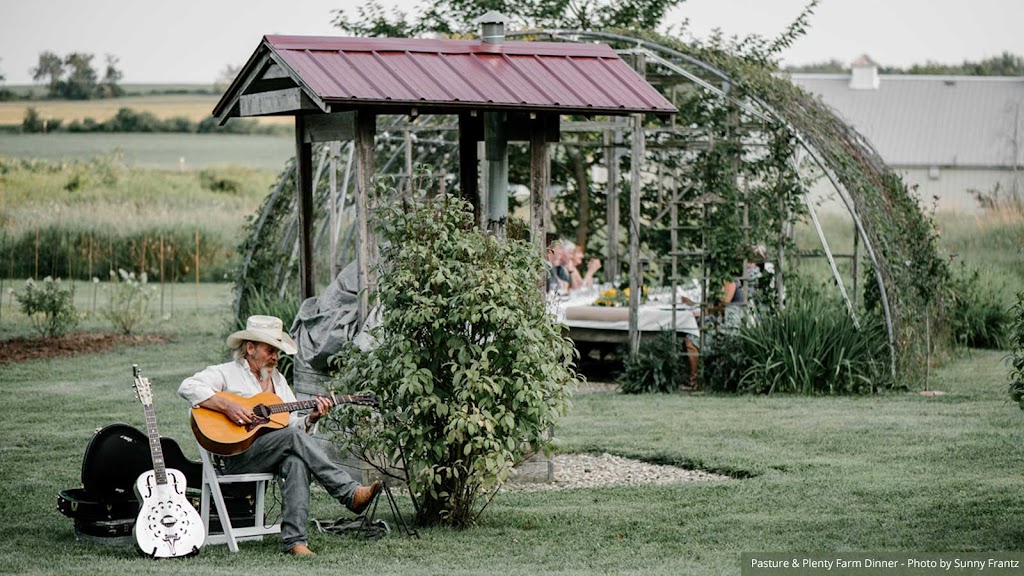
[{"x": 901, "y": 472}]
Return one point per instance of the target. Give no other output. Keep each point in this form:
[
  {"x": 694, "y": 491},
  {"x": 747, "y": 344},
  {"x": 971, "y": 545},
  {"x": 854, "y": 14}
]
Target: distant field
[
  {"x": 164, "y": 151},
  {"x": 195, "y": 107}
]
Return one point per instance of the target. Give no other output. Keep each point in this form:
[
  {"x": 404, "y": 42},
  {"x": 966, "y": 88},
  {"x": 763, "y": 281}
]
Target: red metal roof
[{"x": 564, "y": 77}]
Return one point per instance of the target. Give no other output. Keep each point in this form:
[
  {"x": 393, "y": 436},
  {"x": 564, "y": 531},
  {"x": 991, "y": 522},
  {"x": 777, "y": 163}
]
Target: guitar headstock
[
  {"x": 365, "y": 400},
  {"x": 362, "y": 400},
  {"x": 143, "y": 391}
]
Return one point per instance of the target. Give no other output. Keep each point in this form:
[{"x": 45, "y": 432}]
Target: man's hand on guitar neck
[{"x": 323, "y": 405}]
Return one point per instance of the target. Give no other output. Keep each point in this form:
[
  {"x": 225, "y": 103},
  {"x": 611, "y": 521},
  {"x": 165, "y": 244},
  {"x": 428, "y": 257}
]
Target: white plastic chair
[{"x": 211, "y": 487}]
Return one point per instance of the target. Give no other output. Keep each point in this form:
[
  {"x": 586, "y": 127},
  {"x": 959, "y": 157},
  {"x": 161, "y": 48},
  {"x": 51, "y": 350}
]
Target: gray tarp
[{"x": 324, "y": 324}]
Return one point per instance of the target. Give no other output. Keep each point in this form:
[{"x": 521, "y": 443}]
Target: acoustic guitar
[
  {"x": 219, "y": 435},
  {"x": 168, "y": 526}
]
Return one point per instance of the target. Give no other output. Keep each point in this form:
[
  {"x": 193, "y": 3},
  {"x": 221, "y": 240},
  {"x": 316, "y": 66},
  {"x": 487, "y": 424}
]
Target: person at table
[
  {"x": 290, "y": 452},
  {"x": 574, "y": 259},
  {"x": 559, "y": 279}
]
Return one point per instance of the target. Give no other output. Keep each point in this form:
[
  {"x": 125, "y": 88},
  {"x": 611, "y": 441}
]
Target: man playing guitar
[{"x": 290, "y": 452}]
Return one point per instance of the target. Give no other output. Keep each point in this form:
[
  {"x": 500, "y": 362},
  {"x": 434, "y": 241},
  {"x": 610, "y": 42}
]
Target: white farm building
[{"x": 947, "y": 135}]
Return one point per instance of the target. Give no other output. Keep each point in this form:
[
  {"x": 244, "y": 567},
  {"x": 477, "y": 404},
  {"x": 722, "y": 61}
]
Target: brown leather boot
[
  {"x": 363, "y": 496},
  {"x": 301, "y": 550}
]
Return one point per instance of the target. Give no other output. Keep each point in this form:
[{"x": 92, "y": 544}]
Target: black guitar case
[{"x": 105, "y": 508}]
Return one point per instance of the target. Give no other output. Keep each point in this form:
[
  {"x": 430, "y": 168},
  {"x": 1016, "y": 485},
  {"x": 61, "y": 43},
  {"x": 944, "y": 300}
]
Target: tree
[
  {"x": 456, "y": 17},
  {"x": 110, "y": 86},
  {"x": 81, "y": 81},
  {"x": 226, "y": 77},
  {"x": 1006, "y": 64},
  {"x": 32, "y": 122},
  {"x": 832, "y": 66},
  {"x": 49, "y": 66}
]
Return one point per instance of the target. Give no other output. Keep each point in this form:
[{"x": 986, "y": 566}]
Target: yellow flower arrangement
[{"x": 616, "y": 297}]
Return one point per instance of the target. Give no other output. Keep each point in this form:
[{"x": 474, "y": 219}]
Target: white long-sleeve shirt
[{"x": 236, "y": 378}]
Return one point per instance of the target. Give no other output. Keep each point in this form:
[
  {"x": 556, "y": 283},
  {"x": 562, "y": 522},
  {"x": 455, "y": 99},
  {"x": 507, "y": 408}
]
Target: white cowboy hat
[{"x": 266, "y": 329}]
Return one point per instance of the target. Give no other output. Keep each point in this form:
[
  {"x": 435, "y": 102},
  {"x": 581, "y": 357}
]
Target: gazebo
[{"x": 336, "y": 87}]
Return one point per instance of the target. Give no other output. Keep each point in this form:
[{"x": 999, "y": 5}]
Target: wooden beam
[
  {"x": 274, "y": 102},
  {"x": 330, "y": 127},
  {"x": 304, "y": 192},
  {"x": 539, "y": 175},
  {"x": 254, "y": 73},
  {"x": 366, "y": 128},
  {"x": 520, "y": 127}
]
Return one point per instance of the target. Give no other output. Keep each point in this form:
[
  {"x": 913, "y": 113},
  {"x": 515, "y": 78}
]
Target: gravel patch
[{"x": 589, "y": 471}]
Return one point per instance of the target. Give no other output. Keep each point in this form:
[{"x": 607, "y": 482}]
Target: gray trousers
[{"x": 294, "y": 456}]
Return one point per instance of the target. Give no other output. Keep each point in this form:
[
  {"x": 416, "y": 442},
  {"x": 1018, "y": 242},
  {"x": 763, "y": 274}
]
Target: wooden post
[
  {"x": 2, "y": 278},
  {"x": 366, "y": 128},
  {"x": 611, "y": 156},
  {"x": 161, "y": 276},
  {"x": 469, "y": 187},
  {"x": 332, "y": 213},
  {"x": 71, "y": 272},
  {"x": 304, "y": 201},
  {"x": 538, "y": 192},
  {"x": 635, "y": 275},
  {"x": 142, "y": 255},
  {"x": 482, "y": 185},
  {"x": 408, "y": 163},
  {"x": 36, "y": 276},
  {"x": 10, "y": 274},
  {"x": 197, "y": 267}
]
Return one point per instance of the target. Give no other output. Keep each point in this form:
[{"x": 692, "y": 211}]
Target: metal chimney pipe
[{"x": 492, "y": 27}]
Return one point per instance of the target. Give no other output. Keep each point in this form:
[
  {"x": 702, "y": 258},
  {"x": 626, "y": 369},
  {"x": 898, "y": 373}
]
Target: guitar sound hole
[{"x": 261, "y": 411}]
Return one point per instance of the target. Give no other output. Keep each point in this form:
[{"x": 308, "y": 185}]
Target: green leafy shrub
[
  {"x": 50, "y": 306},
  {"x": 976, "y": 316},
  {"x": 810, "y": 347},
  {"x": 1016, "y": 356},
  {"x": 216, "y": 181},
  {"x": 128, "y": 300},
  {"x": 470, "y": 369},
  {"x": 661, "y": 366}
]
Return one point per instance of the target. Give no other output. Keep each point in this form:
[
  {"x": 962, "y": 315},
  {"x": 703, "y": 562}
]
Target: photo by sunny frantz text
[{"x": 889, "y": 563}]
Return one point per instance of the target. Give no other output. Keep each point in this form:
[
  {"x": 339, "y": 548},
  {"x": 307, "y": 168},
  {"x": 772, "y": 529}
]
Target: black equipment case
[{"x": 105, "y": 508}]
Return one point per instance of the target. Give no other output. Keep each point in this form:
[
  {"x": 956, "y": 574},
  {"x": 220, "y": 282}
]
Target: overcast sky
[{"x": 193, "y": 40}]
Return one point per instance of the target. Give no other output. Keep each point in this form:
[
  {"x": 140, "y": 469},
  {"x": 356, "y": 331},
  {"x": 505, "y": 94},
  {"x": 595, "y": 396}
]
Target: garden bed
[{"x": 25, "y": 349}]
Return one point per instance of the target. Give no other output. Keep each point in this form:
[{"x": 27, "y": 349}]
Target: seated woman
[{"x": 574, "y": 259}]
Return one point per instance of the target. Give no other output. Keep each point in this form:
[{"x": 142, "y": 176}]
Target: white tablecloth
[{"x": 579, "y": 312}]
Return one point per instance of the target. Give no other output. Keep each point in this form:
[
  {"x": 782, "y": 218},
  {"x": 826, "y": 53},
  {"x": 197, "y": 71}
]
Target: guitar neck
[
  {"x": 308, "y": 404},
  {"x": 155, "y": 449}
]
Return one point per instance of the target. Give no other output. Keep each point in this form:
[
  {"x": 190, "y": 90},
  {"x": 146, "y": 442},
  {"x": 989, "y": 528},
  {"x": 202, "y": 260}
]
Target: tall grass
[
  {"x": 810, "y": 347},
  {"x": 84, "y": 218},
  {"x": 992, "y": 243}
]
